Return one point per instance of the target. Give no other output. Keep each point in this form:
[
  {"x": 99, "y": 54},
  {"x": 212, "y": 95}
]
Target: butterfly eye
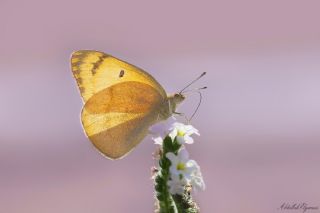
[{"x": 121, "y": 74}]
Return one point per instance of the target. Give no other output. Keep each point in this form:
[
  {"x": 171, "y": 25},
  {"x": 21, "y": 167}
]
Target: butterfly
[{"x": 121, "y": 101}]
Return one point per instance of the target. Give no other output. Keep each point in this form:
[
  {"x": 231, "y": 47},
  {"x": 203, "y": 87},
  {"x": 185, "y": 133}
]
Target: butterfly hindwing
[{"x": 117, "y": 118}]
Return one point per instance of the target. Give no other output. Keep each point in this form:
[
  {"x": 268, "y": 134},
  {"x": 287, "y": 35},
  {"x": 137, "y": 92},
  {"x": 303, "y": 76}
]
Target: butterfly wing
[{"x": 121, "y": 101}]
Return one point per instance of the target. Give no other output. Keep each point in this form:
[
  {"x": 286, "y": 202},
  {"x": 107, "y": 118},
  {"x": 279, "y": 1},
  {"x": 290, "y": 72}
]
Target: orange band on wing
[{"x": 126, "y": 97}]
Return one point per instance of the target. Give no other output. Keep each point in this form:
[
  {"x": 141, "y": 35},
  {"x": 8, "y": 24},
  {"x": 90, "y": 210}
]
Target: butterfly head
[{"x": 178, "y": 98}]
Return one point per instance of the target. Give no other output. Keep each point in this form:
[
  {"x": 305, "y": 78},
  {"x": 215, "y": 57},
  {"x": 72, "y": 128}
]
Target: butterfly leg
[
  {"x": 178, "y": 113},
  {"x": 182, "y": 114}
]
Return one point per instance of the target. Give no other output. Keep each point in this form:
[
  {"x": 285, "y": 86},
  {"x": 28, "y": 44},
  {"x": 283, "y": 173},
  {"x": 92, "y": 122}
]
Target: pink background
[{"x": 259, "y": 120}]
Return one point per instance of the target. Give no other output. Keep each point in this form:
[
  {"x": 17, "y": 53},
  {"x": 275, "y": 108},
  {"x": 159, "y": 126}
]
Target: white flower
[
  {"x": 197, "y": 180},
  {"x": 183, "y": 133},
  {"x": 181, "y": 166},
  {"x": 160, "y": 130},
  {"x": 184, "y": 172},
  {"x": 174, "y": 129},
  {"x": 158, "y": 140}
]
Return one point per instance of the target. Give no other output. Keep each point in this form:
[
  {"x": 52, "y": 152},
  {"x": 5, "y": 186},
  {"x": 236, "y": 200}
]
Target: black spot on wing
[{"x": 121, "y": 74}]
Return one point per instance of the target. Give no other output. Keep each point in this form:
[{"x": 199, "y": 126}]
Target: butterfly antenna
[
  {"x": 192, "y": 82},
  {"x": 200, "y": 95},
  {"x": 194, "y": 90}
]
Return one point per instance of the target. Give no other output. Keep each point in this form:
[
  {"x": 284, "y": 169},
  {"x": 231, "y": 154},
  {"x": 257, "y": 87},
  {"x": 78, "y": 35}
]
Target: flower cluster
[
  {"x": 184, "y": 172},
  {"x": 177, "y": 174}
]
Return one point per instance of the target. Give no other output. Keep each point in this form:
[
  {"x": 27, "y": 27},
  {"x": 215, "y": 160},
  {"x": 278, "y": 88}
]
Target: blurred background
[{"x": 259, "y": 119}]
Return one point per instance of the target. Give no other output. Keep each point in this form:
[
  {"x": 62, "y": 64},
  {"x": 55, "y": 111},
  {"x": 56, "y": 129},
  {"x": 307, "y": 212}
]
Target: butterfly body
[{"x": 121, "y": 101}]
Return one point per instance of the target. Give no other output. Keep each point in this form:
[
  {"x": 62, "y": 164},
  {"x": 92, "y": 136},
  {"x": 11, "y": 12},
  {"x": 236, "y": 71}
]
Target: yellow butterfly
[{"x": 121, "y": 101}]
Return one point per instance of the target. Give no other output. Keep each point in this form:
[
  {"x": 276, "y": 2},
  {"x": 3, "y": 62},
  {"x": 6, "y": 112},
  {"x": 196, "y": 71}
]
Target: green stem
[{"x": 167, "y": 202}]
